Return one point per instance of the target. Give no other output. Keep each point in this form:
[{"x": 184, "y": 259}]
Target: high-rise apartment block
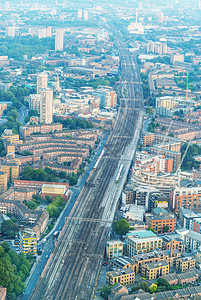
[
  {"x": 42, "y": 33},
  {"x": 79, "y": 14},
  {"x": 49, "y": 31},
  {"x": 46, "y": 106},
  {"x": 34, "y": 102},
  {"x": 59, "y": 40},
  {"x": 42, "y": 82},
  {"x": 111, "y": 99},
  {"x": 161, "y": 17},
  {"x": 86, "y": 15},
  {"x": 10, "y": 31}
]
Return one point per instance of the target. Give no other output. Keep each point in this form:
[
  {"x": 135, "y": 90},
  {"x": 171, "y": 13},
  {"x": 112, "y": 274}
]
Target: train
[
  {"x": 96, "y": 164},
  {"x": 119, "y": 173}
]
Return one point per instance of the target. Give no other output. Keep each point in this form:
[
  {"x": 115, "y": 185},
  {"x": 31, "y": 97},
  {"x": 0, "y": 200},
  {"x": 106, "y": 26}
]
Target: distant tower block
[
  {"x": 140, "y": 5},
  {"x": 57, "y": 84},
  {"x": 86, "y": 15},
  {"x": 10, "y": 31},
  {"x": 161, "y": 18},
  {"x": 42, "y": 82},
  {"x": 136, "y": 17},
  {"x": 59, "y": 40},
  {"x": 46, "y": 106},
  {"x": 79, "y": 14}
]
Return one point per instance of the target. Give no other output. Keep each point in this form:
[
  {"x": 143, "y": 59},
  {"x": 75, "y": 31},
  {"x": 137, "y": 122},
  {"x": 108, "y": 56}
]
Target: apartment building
[
  {"x": 161, "y": 223},
  {"x": 42, "y": 82},
  {"x": 35, "y": 219},
  {"x": 142, "y": 245},
  {"x": 35, "y": 185},
  {"x": 46, "y": 106},
  {"x": 9, "y": 136},
  {"x": 114, "y": 249},
  {"x": 12, "y": 170},
  {"x": 28, "y": 242},
  {"x": 173, "y": 243},
  {"x": 3, "y": 182},
  {"x": 187, "y": 217},
  {"x": 155, "y": 270},
  {"x": 192, "y": 240},
  {"x": 34, "y": 101},
  {"x": 187, "y": 197},
  {"x": 125, "y": 276},
  {"x": 148, "y": 139},
  {"x": 185, "y": 263},
  {"x": 27, "y": 130},
  {"x": 122, "y": 262}
]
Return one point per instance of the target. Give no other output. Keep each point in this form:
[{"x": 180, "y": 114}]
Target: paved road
[
  {"x": 23, "y": 112},
  {"x": 48, "y": 246}
]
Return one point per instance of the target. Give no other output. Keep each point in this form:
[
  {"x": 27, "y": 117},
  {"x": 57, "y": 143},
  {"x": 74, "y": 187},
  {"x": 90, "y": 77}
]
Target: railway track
[{"x": 72, "y": 270}]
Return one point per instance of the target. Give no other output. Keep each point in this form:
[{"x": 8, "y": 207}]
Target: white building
[
  {"x": 136, "y": 28},
  {"x": 10, "y": 31},
  {"x": 86, "y": 15},
  {"x": 79, "y": 14},
  {"x": 42, "y": 33},
  {"x": 59, "y": 40}
]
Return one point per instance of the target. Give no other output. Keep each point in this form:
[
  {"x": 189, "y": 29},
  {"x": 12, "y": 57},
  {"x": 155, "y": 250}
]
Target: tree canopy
[
  {"x": 14, "y": 270},
  {"x": 121, "y": 227}
]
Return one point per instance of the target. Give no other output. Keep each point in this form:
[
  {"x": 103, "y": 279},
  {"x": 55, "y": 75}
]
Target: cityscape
[{"x": 100, "y": 150}]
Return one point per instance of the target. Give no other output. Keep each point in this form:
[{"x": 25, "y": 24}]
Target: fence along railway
[{"x": 73, "y": 268}]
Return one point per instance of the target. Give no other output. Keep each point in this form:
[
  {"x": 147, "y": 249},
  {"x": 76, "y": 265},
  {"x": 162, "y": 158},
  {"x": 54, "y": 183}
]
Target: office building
[
  {"x": 114, "y": 249},
  {"x": 42, "y": 83},
  {"x": 46, "y": 106},
  {"x": 28, "y": 242},
  {"x": 59, "y": 40}
]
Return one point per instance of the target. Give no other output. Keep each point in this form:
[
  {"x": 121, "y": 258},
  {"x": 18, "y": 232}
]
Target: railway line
[{"x": 73, "y": 267}]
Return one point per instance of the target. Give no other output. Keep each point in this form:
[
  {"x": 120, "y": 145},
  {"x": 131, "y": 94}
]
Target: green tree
[
  {"x": 151, "y": 229},
  {"x": 9, "y": 228},
  {"x": 149, "y": 110},
  {"x": 105, "y": 291},
  {"x": 145, "y": 287},
  {"x": 163, "y": 128},
  {"x": 166, "y": 228},
  {"x": 121, "y": 227}
]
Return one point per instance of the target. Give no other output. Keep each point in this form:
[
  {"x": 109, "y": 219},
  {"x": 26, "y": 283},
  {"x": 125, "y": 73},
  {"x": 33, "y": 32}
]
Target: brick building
[{"x": 188, "y": 197}]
